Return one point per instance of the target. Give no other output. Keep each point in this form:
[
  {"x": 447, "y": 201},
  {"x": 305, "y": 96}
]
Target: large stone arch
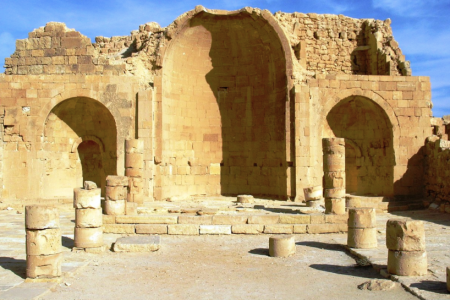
[
  {"x": 368, "y": 123},
  {"x": 79, "y": 142},
  {"x": 225, "y": 98}
]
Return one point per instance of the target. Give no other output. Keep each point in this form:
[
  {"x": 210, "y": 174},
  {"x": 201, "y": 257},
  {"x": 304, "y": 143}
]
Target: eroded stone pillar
[
  {"x": 405, "y": 240},
  {"x": 134, "y": 164},
  {"x": 362, "y": 231},
  {"x": 43, "y": 242},
  {"x": 334, "y": 175},
  {"x": 313, "y": 196},
  {"x": 116, "y": 195},
  {"x": 88, "y": 231},
  {"x": 281, "y": 245}
]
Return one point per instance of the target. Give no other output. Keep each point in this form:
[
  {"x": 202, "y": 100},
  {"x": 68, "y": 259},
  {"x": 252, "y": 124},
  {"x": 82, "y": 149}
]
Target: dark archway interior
[
  {"x": 369, "y": 153},
  {"x": 224, "y": 104},
  {"x": 80, "y": 138}
]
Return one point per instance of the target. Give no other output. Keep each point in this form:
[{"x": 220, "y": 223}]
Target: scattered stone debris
[{"x": 378, "y": 285}]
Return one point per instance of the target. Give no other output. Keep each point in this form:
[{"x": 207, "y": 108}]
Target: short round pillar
[
  {"x": 245, "y": 199},
  {"x": 335, "y": 206},
  {"x": 281, "y": 245},
  {"x": 448, "y": 279},
  {"x": 407, "y": 263},
  {"x": 352, "y": 202},
  {"x": 313, "y": 193}
]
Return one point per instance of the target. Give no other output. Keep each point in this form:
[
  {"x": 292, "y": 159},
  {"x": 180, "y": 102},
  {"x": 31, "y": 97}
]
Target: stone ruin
[{"x": 224, "y": 103}]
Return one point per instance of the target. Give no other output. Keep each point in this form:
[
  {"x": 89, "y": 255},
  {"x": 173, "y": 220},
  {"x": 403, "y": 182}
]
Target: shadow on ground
[
  {"x": 17, "y": 266},
  {"x": 320, "y": 245},
  {"x": 439, "y": 287},
  {"x": 67, "y": 242},
  {"x": 260, "y": 251},
  {"x": 363, "y": 272}
]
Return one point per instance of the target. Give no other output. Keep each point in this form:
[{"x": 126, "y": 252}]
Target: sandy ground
[{"x": 225, "y": 267}]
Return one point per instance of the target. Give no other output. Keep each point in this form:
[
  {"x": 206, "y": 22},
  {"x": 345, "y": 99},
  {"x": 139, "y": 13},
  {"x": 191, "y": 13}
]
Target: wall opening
[
  {"x": 224, "y": 107},
  {"x": 80, "y": 142},
  {"x": 369, "y": 145}
]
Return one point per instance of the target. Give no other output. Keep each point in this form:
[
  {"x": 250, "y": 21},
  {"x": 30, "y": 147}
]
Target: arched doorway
[
  {"x": 80, "y": 139},
  {"x": 224, "y": 107},
  {"x": 369, "y": 145}
]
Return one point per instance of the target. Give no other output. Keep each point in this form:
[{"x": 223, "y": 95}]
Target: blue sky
[{"x": 422, "y": 27}]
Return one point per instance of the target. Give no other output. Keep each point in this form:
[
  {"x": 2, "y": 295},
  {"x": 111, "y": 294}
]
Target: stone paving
[{"x": 13, "y": 284}]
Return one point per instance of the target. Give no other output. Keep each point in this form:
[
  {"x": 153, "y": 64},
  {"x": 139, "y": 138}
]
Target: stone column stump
[
  {"x": 362, "y": 231},
  {"x": 405, "y": 240},
  {"x": 313, "y": 196},
  {"x": 334, "y": 175},
  {"x": 134, "y": 170},
  {"x": 43, "y": 242},
  {"x": 281, "y": 245},
  {"x": 88, "y": 232},
  {"x": 116, "y": 195}
]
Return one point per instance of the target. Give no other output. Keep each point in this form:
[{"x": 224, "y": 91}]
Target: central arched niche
[
  {"x": 369, "y": 151},
  {"x": 223, "y": 107},
  {"x": 80, "y": 139}
]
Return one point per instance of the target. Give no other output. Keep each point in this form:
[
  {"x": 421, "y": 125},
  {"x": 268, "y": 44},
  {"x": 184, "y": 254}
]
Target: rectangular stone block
[
  {"x": 215, "y": 229},
  {"x": 109, "y": 219},
  {"x": 131, "y": 208},
  {"x": 267, "y": 219},
  {"x": 112, "y": 180},
  {"x": 336, "y": 219},
  {"x": 151, "y": 229},
  {"x": 326, "y": 228},
  {"x": 279, "y": 229},
  {"x": 137, "y": 244},
  {"x": 247, "y": 229},
  {"x": 300, "y": 228},
  {"x": 118, "y": 228},
  {"x": 203, "y": 220},
  {"x": 183, "y": 229},
  {"x": 317, "y": 219},
  {"x": 229, "y": 220},
  {"x": 147, "y": 219},
  {"x": 295, "y": 219}
]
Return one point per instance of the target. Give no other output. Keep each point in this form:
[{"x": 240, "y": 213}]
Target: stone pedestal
[
  {"x": 116, "y": 195},
  {"x": 43, "y": 242},
  {"x": 88, "y": 231},
  {"x": 362, "y": 232},
  {"x": 245, "y": 199},
  {"x": 281, "y": 245},
  {"x": 313, "y": 196},
  {"x": 134, "y": 169},
  {"x": 334, "y": 175},
  {"x": 405, "y": 240}
]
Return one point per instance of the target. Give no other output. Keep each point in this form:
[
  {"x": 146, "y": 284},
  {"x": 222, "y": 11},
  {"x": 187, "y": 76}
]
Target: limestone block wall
[
  {"x": 437, "y": 173},
  {"x": 384, "y": 120},
  {"x": 58, "y": 129}
]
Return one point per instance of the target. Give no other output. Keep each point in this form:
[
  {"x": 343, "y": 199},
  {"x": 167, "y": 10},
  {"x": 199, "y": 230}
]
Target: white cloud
[{"x": 408, "y": 8}]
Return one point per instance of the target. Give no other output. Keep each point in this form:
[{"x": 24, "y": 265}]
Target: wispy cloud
[{"x": 408, "y": 8}]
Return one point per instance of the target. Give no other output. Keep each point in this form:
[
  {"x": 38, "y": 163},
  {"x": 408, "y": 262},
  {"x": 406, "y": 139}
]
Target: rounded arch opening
[
  {"x": 369, "y": 145},
  {"x": 224, "y": 106},
  {"x": 80, "y": 141}
]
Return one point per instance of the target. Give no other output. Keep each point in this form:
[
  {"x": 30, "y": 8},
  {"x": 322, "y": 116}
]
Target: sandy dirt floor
[{"x": 225, "y": 267}]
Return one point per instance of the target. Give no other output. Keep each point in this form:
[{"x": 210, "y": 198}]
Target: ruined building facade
[{"x": 226, "y": 103}]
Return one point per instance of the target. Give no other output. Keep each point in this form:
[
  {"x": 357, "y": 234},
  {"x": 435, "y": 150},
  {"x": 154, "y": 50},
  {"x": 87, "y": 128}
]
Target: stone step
[{"x": 137, "y": 244}]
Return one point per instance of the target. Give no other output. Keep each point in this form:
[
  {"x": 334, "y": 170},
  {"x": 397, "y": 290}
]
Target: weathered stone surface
[
  {"x": 43, "y": 242},
  {"x": 407, "y": 263},
  {"x": 229, "y": 220},
  {"x": 203, "y": 220},
  {"x": 116, "y": 193},
  {"x": 326, "y": 228},
  {"x": 247, "y": 229},
  {"x": 131, "y": 208},
  {"x": 334, "y": 193},
  {"x": 134, "y": 146},
  {"x": 378, "y": 285},
  {"x": 351, "y": 201},
  {"x": 134, "y": 160},
  {"x": 89, "y": 217},
  {"x": 137, "y": 244},
  {"x": 108, "y": 219},
  {"x": 335, "y": 206},
  {"x": 88, "y": 237},
  {"x": 44, "y": 266},
  {"x": 147, "y": 219},
  {"x": 295, "y": 219},
  {"x": 300, "y": 228},
  {"x": 245, "y": 199},
  {"x": 118, "y": 228},
  {"x": 281, "y": 246},
  {"x": 266, "y": 219},
  {"x": 115, "y": 207},
  {"x": 215, "y": 229},
  {"x": 112, "y": 180},
  {"x": 41, "y": 217},
  {"x": 279, "y": 229},
  {"x": 336, "y": 219},
  {"x": 405, "y": 235},
  {"x": 313, "y": 193},
  {"x": 89, "y": 185},
  {"x": 183, "y": 229},
  {"x": 151, "y": 229},
  {"x": 447, "y": 270},
  {"x": 362, "y": 217},
  {"x": 86, "y": 198},
  {"x": 363, "y": 238}
]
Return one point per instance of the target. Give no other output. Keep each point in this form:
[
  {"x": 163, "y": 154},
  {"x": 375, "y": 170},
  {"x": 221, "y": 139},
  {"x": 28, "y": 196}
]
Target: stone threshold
[{"x": 225, "y": 224}]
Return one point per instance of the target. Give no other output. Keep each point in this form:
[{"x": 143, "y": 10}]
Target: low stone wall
[{"x": 225, "y": 224}]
